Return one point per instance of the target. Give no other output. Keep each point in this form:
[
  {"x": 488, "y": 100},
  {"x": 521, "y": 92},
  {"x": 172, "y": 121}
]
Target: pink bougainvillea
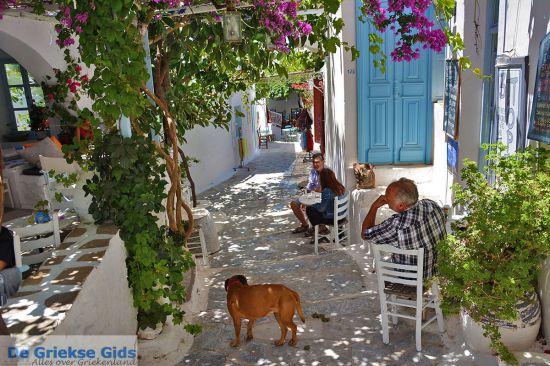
[
  {"x": 407, "y": 19},
  {"x": 69, "y": 24},
  {"x": 279, "y": 17}
]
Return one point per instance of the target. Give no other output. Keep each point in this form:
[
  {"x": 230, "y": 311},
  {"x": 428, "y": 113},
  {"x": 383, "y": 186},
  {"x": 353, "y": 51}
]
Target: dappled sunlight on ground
[{"x": 337, "y": 288}]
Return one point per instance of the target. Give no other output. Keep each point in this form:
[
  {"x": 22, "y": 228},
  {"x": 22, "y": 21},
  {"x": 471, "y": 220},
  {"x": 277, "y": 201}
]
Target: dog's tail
[{"x": 299, "y": 306}]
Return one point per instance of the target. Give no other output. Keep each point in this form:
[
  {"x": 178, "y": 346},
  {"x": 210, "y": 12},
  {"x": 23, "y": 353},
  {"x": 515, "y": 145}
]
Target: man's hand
[
  {"x": 371, "y": 215},
  {"x": 380, "y": 201}
]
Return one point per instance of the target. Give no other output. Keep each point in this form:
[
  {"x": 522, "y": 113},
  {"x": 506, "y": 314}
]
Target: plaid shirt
[{"x": 422, "y": 225}]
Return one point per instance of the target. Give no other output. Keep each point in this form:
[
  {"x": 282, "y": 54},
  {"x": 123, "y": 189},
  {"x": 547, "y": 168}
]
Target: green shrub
[{"x": 491, "y": 261}]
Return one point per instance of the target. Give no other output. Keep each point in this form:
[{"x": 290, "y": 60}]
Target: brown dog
[{"x": 256, "y": 301}]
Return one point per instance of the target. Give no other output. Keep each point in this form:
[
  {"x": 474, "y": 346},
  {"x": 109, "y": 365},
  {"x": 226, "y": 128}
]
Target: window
[{"x": 23, "y": 91}]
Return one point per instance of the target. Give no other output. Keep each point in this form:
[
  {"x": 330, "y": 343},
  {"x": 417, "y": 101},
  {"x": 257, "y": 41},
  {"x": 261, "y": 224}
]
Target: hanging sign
[
  {"x": 510, "y": 99},
  {"x": 452, "y": 155},
  {"x": 451, "y": 98},
  {"x": 539, "y": 126}
]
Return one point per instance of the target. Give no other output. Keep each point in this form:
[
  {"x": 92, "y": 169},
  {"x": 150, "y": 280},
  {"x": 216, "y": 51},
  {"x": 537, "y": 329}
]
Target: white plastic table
[{"x": 309, "y": 199}]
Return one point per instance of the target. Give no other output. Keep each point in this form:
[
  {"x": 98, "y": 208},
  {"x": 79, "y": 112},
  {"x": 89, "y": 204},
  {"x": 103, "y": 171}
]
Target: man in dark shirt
[
  {"x": 7, "y": 254},
  {"x": 9, "y": 280},
  {"x": 418, "y": 224}
]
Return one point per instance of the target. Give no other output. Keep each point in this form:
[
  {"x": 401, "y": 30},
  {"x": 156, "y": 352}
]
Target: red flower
[
  {"x": 84, "y": 78},
  {"x": 78, "y": 68},
  {"x": 51, "y": 96},
  {"x": 69, "y": 81},
  {"x": 73, "y": 88}
]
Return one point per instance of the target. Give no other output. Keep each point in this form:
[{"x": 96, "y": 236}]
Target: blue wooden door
[{"x": 394, "y": 108}]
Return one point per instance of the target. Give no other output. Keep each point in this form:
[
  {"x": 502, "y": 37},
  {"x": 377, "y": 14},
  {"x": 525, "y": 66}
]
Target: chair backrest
[
  {"x": 25, "y": 241},
  {"x": 388, "y": 271},
  {"x": 341, "y": 206},
  {"x": 60, "y": 165},
  {"x": 17, "y": 250}
]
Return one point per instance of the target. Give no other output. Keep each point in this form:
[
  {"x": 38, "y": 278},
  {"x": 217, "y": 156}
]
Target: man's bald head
[{"x": 402, "y": 194}]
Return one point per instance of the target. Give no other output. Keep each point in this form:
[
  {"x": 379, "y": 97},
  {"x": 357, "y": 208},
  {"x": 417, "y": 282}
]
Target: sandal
[
  {"x": 320, "y": 241},
  {"x": 309, "y": 232},
  {"x": 325, "y": 231},
  {"x": 300, "y": 229}
]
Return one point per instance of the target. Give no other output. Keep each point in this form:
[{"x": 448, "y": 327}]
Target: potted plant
[
  {"x": 488, "y": 266},
  {"x": 41, "y": 213}
]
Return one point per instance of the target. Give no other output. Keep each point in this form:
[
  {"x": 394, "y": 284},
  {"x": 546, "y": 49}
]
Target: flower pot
[
  {"x": 544, "y": 293},
  {"x": 81, "y": 204},
  {"x": 150, "y": 333},
  {"x": 517, "y": 335},
  {"x": 41, "y": 217}
]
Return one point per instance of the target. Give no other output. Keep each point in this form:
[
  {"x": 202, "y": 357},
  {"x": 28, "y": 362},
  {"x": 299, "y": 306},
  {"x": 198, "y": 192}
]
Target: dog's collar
[{"x": 231, "y": 282}]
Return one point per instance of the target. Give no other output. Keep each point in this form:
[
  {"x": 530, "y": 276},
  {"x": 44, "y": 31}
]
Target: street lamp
[{"x": 232, "y": 23}]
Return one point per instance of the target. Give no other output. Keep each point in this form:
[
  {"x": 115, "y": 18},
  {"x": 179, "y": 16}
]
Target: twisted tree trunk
[
  {"x": 189, "y": 178},
  {"x": 174, "y": 202}
]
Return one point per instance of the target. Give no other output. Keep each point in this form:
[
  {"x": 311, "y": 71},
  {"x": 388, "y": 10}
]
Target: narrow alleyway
[{"x": 256, "y": 242}]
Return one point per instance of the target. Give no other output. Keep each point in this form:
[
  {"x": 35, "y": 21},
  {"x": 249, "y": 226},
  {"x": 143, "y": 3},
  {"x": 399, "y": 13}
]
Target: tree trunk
[
  {"x": 175, "y": 205},
  {"x": 189, "y": 178}
]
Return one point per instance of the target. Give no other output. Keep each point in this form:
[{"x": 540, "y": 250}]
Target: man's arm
[{"x": 371, "y": 216}]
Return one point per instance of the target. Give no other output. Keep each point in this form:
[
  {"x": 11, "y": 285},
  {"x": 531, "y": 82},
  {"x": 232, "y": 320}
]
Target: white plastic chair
[
  {"x": 369, "y": 243},
  {"x": 196, "y": 243},
  {"x": 17, "y": 252},
  {"x": 7, "y": 190},
  {"x": 341, "y": 227},
  {"x": 401, "y": 285},
  {"x": 25, "y": 241},
  {"x": 51, "y": 186}
]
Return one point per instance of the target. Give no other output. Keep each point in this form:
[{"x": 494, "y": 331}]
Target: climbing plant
[{"x": 129, "y": 187}]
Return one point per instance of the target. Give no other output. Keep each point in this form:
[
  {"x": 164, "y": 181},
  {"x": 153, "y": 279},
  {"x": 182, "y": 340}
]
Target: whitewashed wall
[
  {"x": 471, "y": 86},
  {"x": 30, "y": 40},
  {"x": 341, "y": 103},
  {"x": 285, "y": 105},
  {"x": 217, "y": 148}
]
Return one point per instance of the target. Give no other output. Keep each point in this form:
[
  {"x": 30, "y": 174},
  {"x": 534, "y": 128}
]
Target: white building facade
[{"x": 395, "y": 119}]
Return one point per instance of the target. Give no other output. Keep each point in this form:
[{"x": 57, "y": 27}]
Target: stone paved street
[{"x": 256, "y": 242}]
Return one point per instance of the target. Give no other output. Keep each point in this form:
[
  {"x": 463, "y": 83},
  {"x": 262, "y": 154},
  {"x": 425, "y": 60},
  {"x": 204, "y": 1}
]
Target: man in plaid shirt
[{"x": 417, "y": 224}]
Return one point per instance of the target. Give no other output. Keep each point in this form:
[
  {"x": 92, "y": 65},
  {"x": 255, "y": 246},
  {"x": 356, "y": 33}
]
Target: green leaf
[
  {"x": 331, "y": 44},
  {"x": 331, "y": 6},
  {"x": 464, "y": 62}
]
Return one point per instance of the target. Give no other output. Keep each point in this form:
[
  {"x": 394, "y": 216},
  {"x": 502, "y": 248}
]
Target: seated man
[
  {"x": 312, "y": 185},
  {"x": 418, "y": 224},
  {"x": 10, "y": 275}
]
